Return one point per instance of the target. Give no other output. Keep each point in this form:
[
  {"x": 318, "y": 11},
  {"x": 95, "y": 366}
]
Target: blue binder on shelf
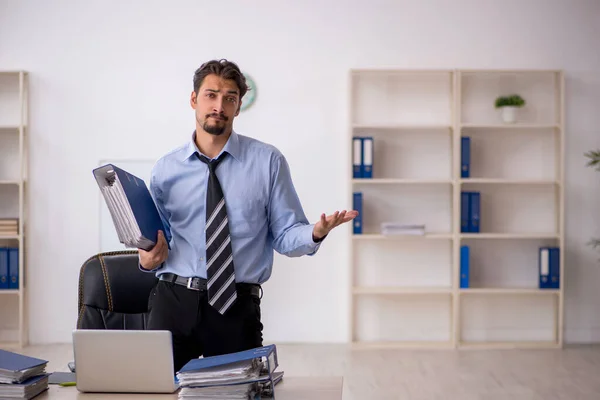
[
  {"x": 367, "y": 146},
  {"x": 549, "y": 268},
  {"x": 464, "y": 212},
  {"x": 13, "y": 268},
  {"x": 470, "y": 212},
  {"x": 357, "y": 205},
  {"x": 362, "y": 157},
  {"x": 131, "y": 207},
  {"x": 3, "y": 268},
  {"x": 465, "y": 261},
  {"x": 465, "y": 157},
  {"x": 475, "y": 212},
  {"x": 357, "y": 157}
]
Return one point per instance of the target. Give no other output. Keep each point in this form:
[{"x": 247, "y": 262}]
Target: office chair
[{"x": 113, "y": 292}]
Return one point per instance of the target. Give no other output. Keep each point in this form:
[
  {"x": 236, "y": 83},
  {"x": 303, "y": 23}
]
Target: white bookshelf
[
  {"x": 405, "y": 290},
  {"x": 13, "y": 201}
]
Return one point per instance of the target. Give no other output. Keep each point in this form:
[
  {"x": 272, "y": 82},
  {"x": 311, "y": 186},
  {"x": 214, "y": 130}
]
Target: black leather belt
[
  {"x": 191, "y": 283},
  {"x": 199, "y": 284}
]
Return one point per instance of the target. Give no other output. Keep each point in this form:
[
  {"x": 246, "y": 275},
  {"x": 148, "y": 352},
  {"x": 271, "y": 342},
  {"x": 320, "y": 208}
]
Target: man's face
[{"x": 217, "y": 103}]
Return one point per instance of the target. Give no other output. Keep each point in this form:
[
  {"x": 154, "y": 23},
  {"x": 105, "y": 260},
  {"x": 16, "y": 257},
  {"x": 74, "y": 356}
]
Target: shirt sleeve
[
  {"x": 292, "y": 233},
  {"x": 156, "y": 193}
]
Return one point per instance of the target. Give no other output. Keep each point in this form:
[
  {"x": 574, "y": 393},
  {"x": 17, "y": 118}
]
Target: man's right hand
[{"x": 153, "y": 258}]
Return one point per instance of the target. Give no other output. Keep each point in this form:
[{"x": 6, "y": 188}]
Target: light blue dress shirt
[{"x": 263, "y": 208}]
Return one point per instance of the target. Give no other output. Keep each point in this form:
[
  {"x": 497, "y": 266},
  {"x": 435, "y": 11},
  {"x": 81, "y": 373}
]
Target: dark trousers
[{"x": 197, "y": 328}]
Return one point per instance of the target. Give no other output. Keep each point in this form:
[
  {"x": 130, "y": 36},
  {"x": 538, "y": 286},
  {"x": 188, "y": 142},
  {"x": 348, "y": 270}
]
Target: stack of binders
[
  {"x": 131, "y": 207},
  {"x": 21, "y": 377},
  {"x": 243, "y": 375}
]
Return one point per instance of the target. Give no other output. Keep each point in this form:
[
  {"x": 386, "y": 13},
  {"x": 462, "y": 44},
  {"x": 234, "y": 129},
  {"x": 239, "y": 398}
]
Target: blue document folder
[
  {"x": 241, "y": 373},
  {"x": 268, "y": 353},
  {"x": 131, "y": 207},
  {"x": 16, "y": 368}
]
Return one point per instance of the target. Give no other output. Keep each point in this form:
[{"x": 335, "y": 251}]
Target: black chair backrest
[{"x": 113, "y": 292}]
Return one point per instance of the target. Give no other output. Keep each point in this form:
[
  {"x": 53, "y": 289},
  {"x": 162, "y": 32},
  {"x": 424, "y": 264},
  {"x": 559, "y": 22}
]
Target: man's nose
[{"x": 218, "y": 106}]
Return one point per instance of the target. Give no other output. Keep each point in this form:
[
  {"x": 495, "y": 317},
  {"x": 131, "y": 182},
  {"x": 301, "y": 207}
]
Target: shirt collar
[{"x": 232, "y": 147}]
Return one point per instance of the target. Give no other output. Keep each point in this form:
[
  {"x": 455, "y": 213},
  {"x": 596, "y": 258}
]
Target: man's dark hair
[{"x": 223, "y": 68}]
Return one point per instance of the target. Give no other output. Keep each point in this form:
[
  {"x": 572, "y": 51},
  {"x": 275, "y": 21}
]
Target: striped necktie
[{"x": 219, "y": 265}]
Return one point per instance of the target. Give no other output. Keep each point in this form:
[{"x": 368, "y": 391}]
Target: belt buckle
[{"x": 189, "y": 284}]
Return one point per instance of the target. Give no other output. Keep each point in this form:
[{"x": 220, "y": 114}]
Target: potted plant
[
  {"x": 594, "y": 162},
  {"x": 509, "y": 105}
]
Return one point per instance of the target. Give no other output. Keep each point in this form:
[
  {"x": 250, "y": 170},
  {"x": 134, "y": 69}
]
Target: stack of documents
[
  {"x": 396, "y": 228},
  {"x": 131, "y": 207},
  {"x": 21, "y": 377},
  {"x": 242, "y": 375},
  {"x": 9, "y": 226}
]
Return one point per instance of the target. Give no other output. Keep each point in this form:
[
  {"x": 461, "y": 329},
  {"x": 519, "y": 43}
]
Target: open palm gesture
[{"x": 327, "y": 223}]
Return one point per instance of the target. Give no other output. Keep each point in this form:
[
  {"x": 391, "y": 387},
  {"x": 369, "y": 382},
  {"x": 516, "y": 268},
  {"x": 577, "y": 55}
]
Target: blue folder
[
  {"x": 16, "y": 368},
  {"x": 131, "y": 206}
]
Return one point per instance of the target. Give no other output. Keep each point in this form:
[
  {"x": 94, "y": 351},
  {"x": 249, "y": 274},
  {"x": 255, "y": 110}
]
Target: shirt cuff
[{"x": 148, "y": 270}]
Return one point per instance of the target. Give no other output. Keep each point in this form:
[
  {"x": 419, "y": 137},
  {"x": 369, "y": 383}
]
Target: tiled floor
[{"x": 572, "y": 373}]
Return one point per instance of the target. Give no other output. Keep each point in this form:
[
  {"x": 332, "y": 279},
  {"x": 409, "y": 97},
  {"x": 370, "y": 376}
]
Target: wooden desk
[{"x": 290, "y": 388}]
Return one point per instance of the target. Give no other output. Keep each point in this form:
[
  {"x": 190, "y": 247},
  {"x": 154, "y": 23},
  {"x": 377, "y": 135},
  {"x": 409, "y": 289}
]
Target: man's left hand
[{"x": 326, "y": 224}]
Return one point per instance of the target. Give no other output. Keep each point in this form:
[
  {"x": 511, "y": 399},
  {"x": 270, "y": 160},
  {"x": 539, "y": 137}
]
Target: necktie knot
[{"x": 212, "y": 164}]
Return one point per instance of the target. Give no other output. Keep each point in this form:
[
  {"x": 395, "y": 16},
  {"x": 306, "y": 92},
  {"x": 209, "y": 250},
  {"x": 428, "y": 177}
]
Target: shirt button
[{"x": 201, "y": 258}]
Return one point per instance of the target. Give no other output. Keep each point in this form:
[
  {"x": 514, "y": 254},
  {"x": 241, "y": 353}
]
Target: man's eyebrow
[{"x": 217, "y": 91}]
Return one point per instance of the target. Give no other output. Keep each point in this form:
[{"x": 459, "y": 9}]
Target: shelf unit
[
  {"x": 13, "y": 200},
  {"x": 405, "y": 290}
]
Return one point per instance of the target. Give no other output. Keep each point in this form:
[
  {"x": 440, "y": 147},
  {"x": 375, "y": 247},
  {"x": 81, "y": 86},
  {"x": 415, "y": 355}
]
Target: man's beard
[{"x": 214, "y": 129}]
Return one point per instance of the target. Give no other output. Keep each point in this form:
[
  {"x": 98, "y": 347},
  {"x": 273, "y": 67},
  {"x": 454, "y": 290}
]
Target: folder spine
[
  {"x": 464, "y": 212},
  {"x": 465, "y": 163},
  {"x": 13, "y": 268},
  {"x": 357, "y": 205},
  {"x": 464, "y": 266},
  {"x": 357, "y": 157},
  {"x": 368, "y": 145},
  {"x": 3, "y": 268},
  {"x": 549, "y": 268},
  {"x": 475, "y": 212}
]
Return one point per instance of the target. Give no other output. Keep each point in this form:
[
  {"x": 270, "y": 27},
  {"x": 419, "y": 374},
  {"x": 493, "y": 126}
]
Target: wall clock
[{"x": 250, "y": 95}]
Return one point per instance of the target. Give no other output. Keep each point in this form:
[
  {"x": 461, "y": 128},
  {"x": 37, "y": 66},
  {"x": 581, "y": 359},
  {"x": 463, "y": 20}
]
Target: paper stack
[
  {"x": 9, "y": 226},
  {"x": 242, "y": 375},
  {"x": 131, "y": 207},
  {"x": 21, "y": 377},
  {"x": 396, "y": 228}
]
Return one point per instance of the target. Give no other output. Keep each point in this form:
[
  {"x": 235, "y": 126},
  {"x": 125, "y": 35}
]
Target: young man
[{"x": 227, "y": 202}]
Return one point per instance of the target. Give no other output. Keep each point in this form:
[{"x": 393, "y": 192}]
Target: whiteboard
[{"x": 109, "y": 241}]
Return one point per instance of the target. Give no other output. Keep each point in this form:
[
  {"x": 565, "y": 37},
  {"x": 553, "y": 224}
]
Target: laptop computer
[{"x": 124, "y": 361}]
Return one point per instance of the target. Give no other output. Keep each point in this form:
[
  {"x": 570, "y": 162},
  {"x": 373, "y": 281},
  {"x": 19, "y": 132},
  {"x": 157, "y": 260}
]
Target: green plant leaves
[{"x": 513, "y": 100}]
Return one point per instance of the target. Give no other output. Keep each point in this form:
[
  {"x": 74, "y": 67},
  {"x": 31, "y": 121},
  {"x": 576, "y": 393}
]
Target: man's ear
[{"x": 193, "y": 99}]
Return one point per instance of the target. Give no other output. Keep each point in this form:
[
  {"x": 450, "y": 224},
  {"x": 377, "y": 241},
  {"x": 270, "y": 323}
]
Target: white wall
[{"x": 110, "y": 82}]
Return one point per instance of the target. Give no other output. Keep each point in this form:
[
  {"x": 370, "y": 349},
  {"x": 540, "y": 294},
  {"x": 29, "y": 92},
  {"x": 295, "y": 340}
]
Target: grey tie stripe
[
  {"x": 214, "y": 214},
  {"x": 220, "y": 271},
  {"x": 219, "y": 229}
]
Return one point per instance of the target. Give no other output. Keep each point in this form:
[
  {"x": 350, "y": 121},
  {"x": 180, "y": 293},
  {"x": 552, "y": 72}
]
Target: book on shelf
[
  {"x": 397, "y": 228},
  {"x": 549, "y": 267},
  {"x": 9, "y": 268},
  {"x": 357, "y": 223},
  {"x": 9, "y": 226},
  {"x": 240, "y": 375},
  {"x": 465, "y": 266},
  {"x": 362, "y": 157},
  {"x": 465, "y": 157},
  {"x": 470, "y": 211}
]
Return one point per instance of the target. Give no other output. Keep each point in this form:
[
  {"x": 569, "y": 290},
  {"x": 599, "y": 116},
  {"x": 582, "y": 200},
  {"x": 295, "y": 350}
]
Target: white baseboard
[{"x": 582, "y": 335}]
